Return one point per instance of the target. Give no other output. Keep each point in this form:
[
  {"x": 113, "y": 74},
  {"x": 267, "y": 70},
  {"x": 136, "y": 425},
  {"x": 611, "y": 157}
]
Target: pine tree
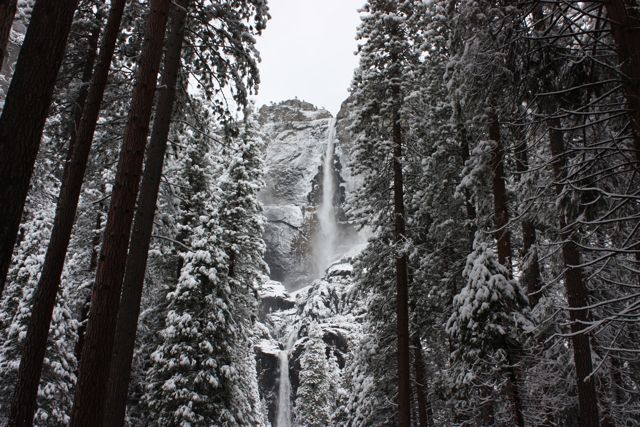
[
  {"x": 486, "y": 326},
  {"x": 59, "y": 365},
  {"x": 90, "y": 396},
  {"x": 45, "y": 295},
  {"x": 318, "y": 378},
  {"x": 378, "y": 90},
  {"x": 24, "y": 113},
  {"x": 191, "y": 369}
]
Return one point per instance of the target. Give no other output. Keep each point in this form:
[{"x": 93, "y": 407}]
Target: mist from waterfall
[
  {"x": 283, "y": 416},
  {"x": 325, "y": 239}
]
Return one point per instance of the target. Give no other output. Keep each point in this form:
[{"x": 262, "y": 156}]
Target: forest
[{"x": 458, "y": 246}]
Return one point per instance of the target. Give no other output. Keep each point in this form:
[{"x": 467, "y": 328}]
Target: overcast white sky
[{"x": 308, "y": 50}]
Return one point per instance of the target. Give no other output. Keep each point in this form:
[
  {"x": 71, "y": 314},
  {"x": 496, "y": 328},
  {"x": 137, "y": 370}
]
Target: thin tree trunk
[
  {"x": 93, "y": 263},
  {"x": 531, "y": 274},
  {"x": 87, "y": 74},
  {"x": 576, "y": 291},
  {"x": 25, "y": 110},
  {"x": 24, "y": 400},
  {"x": 129, "y": 311},
  {"x": 501, "y": 211},
  {"x": 402, "y": 289},
  {"x": 421, "y": 385},
  {"x": 503, "y": 236},
  {"x": 7, "y": 12},
  {"x": 91, "y": 389}
]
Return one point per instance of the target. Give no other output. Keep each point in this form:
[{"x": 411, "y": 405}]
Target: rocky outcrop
[
  {"x": 325, "y": 304},
  {"x": 296, "y": 137}
]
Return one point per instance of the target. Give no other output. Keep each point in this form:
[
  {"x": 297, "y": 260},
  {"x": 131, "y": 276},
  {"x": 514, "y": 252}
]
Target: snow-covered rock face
[
  {"x": 296, "y": 134},
  {"x": 326, "y": 304}
]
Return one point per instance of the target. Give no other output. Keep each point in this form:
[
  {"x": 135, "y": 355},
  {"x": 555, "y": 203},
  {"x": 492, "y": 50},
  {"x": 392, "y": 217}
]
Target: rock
[
  {"x": 296, "y": 135},
  {"x": 274, "y": 297},
  {"x": 267, "y": 364}
]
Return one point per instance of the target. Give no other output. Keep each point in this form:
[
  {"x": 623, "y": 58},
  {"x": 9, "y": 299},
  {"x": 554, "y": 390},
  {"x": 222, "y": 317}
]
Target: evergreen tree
[
  {"x": 59, "y": 366},
  {"x": 486, "y": 327},
  {"x": 316, "y": 396}
]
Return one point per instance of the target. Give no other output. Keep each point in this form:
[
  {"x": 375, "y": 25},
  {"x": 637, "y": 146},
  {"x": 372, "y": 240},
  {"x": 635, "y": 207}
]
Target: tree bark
[
  {"x": 7, "y": 13},
  {"x": 576, "y": 289},
  {"x": 129, "y": 311},
  {"x": 424, "y": 408},
  {"x": 91, "y": 389},
  {"x": 624, "y": 18},
  {"x": 25, "y": 110},
  {"x": 93, "y": 264},
  {"x": 531, "y": 272},
  {"x": 501, "y": 211},
  {"x": 24, "y": 400},
  {"x": 402, "y": 288}
]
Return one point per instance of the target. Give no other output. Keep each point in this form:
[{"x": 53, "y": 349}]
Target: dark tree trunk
[
  {"x": 129, "y": 311},
  {"x": 23, "y": 405},
  {"x": 501, "y": 211},
  {"x": 624, "y": 18},
  {"x": 7, "y": 12},
  {"x": 83, "y": 92},
  {"x": 25, "y": 110},
  {"x": 91, "y": 389},
  {"x": 93, "y": 263},
  {"x": 503, "y": 237},
  {"x": 576, "y": 289},
  {"x": 424, "y": 408},
  {"x": 531, "y": 273},
  {"x": 402, "y": 288}
]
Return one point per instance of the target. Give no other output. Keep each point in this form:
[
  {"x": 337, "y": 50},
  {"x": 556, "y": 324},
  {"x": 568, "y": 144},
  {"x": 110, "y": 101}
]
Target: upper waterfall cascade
[{"x": 325, "y": 240}]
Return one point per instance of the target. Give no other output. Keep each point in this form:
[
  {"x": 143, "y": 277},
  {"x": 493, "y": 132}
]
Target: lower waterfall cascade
[{"x": 284, "y": 389}]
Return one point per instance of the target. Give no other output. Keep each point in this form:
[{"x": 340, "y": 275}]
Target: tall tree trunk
[
  {"x": 531, "y": 272},
  {"x": 501, "y": 211},
  {"x": 25, "y": 110},
  {"x": 23, "y": 404},
  {"x": 424, "y": 407},
  {"x": 129, "y": 311},
  {"x": 624, "y": 18},
  {"x": 7, "y": 12},
  {"x": 402, "y": 288},
  {"x": 503, "y": 236},
  {"x": 93, "y": 263},
  {"x": 576, "y": 289},
  {"x": 91, "y": 390},
  {"x": 87, "y": 75}
]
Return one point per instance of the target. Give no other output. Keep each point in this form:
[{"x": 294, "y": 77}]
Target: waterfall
[
  {"x": 284, "y": 391},
  {"x": 324, "y": 251},
  {"x": 325, "y": 240}
]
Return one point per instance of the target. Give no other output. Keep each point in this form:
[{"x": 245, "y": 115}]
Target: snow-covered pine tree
[
  {"x": 380, "y": 86},
  {"x": 58, "y": 376},
  {"x": 316, "y": 396},
  {"x": 490, "y": 315},
  {"x": 188, "y": 371},
  {"x": 242, "y": 224}
]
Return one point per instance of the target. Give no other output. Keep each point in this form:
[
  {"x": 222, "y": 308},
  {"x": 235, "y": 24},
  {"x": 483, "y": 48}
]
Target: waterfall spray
[{"x": 325, "y": 241}]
